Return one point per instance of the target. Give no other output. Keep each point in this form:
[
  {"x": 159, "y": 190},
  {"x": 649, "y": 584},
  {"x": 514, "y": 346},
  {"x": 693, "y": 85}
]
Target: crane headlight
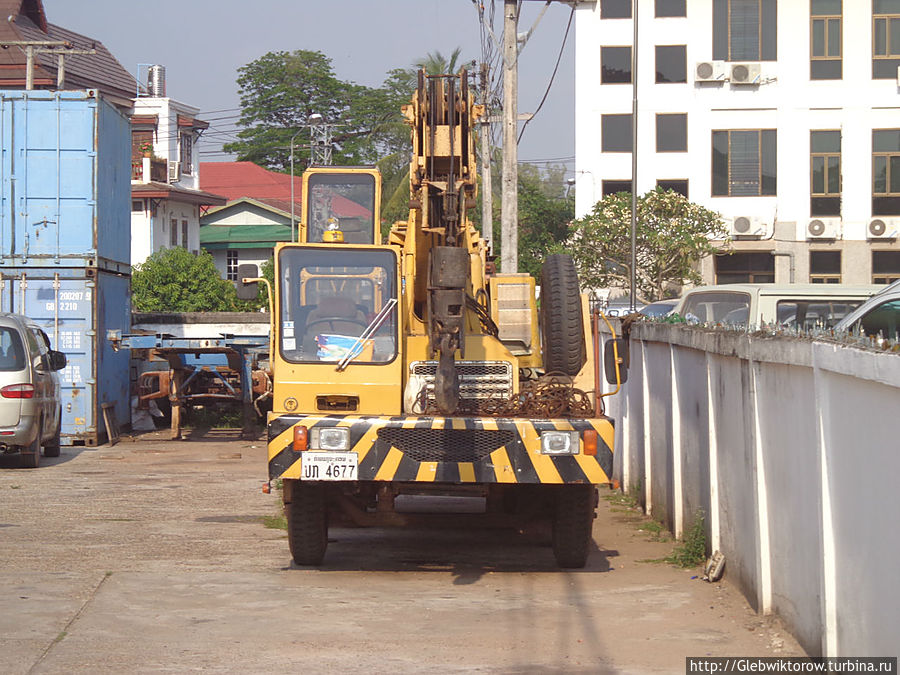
[{"x": 559, "y": 443}]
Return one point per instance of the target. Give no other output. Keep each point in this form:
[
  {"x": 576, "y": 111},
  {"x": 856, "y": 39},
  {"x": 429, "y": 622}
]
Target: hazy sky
[{"x": 202, "y": 43}]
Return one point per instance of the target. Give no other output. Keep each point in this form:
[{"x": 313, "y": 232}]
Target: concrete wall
[{"x": 788, "y": 448}]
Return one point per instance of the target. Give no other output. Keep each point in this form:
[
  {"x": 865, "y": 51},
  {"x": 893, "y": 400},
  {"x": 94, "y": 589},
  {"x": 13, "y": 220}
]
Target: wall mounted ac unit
[
  {"x": 709, "y": 71},
  {"x": 898, "y": 75},
  {"x": 823, "y": 228},
  {"x": 174, "y": 172},
  {"x": 748, "y": 227},
  {"x": 883, "y": 228},
  {"x": 745, "y": 73}
]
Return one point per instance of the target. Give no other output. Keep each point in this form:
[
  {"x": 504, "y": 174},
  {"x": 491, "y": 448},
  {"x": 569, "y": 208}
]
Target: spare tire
[{"x": 561, "y": 317}]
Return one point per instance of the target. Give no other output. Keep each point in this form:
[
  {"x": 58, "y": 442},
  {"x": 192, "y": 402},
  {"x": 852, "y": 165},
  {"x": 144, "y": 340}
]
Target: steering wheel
[{"x": 332, "y": 320}]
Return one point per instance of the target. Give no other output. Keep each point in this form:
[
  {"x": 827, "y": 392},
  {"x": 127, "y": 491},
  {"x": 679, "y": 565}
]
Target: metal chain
[{"x": 550, "y": 396}]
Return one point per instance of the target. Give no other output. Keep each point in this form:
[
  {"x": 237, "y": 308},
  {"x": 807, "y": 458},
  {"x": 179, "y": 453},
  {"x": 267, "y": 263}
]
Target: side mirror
[
  {"x": 57, "y": 360},
  {"x": 615, "y": 353},
  {"x": 248, "y": 290}
]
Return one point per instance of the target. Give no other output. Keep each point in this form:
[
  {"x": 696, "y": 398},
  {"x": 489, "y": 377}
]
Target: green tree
[
  {"x": 545, "y": 208},
  {"x": 672, "y": 235},
  {"x": 176, "y": 280},
  {"x": 280, "y": 90},
  {"x": 545, "y": 211}
]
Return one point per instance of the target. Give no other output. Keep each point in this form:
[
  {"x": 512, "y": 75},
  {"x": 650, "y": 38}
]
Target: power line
[{"x": 552, "y": 76}]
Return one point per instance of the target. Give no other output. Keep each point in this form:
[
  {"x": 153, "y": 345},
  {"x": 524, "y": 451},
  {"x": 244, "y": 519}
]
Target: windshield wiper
[{"x": 357, "y": 347}]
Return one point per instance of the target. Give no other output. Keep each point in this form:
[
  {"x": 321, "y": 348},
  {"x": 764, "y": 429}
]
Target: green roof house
[{"x": 245, "y": 231}]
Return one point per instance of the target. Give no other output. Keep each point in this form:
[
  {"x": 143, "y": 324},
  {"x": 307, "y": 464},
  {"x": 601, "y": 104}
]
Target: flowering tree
[{"x": 673, "y": 234}]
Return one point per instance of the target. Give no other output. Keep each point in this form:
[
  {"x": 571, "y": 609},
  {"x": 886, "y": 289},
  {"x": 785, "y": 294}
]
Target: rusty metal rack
[{"x": 223, "y": 370}]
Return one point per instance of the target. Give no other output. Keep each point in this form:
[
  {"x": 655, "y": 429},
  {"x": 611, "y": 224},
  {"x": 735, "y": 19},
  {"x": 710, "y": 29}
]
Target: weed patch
[
  {"x": 275, "y": 522},
  {"x": 692, "y": 549}
]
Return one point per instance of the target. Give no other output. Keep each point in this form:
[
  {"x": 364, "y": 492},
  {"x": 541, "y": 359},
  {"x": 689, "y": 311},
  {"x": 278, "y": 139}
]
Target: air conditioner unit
[
  {"x": 174, "y": 172},
  {"x": 745, "y": 73},
  {"x": 748, "y": 227},
  {"x": 898, "y": 75},
  {"x": 709, "y": 71},
  {"x": 883, "y": 228},
  {"x": 823, "y": 228}
]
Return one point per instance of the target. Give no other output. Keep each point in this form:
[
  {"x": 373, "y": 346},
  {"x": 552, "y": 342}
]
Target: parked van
[
  {"x": 29, "y": 390},
  {"x": 879, "y": 316},
  {"x": 803, "y": 306}
]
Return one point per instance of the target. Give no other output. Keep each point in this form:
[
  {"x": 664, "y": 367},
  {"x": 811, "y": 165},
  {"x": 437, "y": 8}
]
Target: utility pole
[
  {"x": 61, "y": 48},
  {"x": 509, "y": 218},
  {"x": 487, "y": 202},
  {"x": 632, "y": 282}
]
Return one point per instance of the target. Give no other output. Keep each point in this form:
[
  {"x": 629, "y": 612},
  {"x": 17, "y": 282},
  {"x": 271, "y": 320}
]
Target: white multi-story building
[
  {"x": 782, "y": 115},
  {"x": 166, "y": 198}
]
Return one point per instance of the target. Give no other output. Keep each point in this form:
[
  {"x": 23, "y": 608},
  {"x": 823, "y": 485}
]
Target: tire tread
[
  {"x": 561, "y": 319},
  {"x": 307, "y": 523}
]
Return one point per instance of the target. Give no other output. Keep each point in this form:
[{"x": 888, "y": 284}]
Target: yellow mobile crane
[{"x": 406, "y": 368}]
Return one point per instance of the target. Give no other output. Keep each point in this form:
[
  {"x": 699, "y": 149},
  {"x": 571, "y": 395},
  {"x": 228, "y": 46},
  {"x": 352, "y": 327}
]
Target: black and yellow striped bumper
[{"x": 449, "y": 450}]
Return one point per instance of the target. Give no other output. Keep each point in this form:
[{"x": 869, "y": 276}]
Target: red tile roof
[{"x": 246, "y": 179}]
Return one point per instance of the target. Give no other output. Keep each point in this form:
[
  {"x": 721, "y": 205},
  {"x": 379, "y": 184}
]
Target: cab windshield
[
  {"x": 341, "y": 201},
  {"x": 337, "y": 303}
]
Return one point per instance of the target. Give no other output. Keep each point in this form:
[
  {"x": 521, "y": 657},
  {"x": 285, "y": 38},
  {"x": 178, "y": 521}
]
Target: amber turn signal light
[
  {"x": 590, "y": 442},
  {"x": 301, "y": 438}
]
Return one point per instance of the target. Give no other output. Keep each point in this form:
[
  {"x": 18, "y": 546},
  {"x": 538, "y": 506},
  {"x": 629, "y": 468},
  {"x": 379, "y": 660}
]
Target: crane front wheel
[
  {"x": 573, "y": 519},
  {"x": 307, "y": 523}
]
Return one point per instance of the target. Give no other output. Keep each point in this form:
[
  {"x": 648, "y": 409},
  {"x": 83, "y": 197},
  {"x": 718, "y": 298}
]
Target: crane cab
[{"x": 344, "y": 200}]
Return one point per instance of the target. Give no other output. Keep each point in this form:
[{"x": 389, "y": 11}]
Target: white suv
[{"x": 30, "y": 409}]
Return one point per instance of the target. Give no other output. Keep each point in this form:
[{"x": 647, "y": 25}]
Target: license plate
[{"x": 329, "y": 466}]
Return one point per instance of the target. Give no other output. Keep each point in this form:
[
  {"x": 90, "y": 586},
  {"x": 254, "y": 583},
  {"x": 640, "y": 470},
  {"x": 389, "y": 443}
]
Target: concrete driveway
[{"x": 150, "y": 556}]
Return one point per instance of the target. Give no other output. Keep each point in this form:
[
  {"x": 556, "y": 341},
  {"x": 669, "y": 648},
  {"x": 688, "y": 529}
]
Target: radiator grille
[
  {"x": 478, "y": 380},
  {"x": 446, "y": 445}
]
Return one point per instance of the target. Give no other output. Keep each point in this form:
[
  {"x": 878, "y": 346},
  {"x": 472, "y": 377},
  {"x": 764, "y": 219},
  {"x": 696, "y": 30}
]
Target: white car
[
  {"x": 30, "y": 411},
  {"x": 803, "y": 306},
  {"x": 879, "y": 316}
]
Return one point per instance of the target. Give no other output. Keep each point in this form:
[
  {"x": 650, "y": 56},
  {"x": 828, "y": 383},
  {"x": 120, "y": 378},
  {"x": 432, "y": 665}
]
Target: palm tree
[{"x": 436, "y": 64}]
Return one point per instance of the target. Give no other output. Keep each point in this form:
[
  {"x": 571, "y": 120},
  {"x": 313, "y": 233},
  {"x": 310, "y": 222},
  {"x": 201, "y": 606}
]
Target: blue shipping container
[
  {"x": 76, "y": 307},
  {"x": 65, "y": 173}
]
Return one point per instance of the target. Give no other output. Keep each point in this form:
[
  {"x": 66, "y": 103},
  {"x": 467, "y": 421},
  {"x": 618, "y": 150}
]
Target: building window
[
  {"x": 612, "y": 187},
  {"x": 666, "y": 8},
  {"x": 184, "y": 234},
  {"x": 137, "y": 205},
  {"x": 615, "y": 9},
  {"x": 825, "y": 173},
  {"x": 885, "y": 39},
  {"x": 743, "y": 163},
  {"x": 231, "y": 265},
  {"x": 886, "y": 172},
  {"x": 173, "y": 233},
  {"x": 615, "y": 65},
  {"x": 679, "y": 185},
  {"x": 748, "y": 267},
  {"x": 671, "y": 132},
  {"x": 825, "y": 267},
  {"x": 615, "y": 131},
  {"x": 825, "y": 40},
  {"x": 885, "y": 267},
  {"x": 744, "y": 30},
  {"x": 186, "y": 150},
  {"x": 671, "y": 64}
]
